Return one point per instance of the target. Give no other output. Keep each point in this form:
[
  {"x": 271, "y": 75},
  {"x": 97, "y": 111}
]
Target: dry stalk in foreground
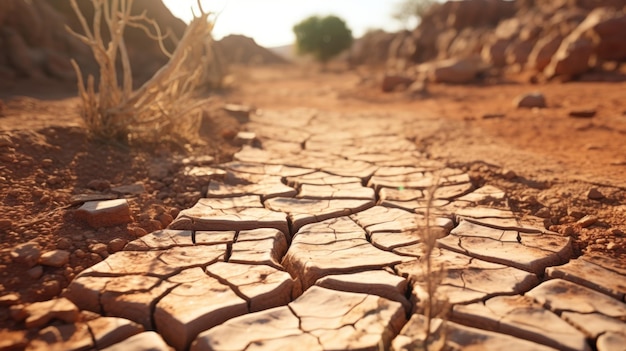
[{"x": 164, "y": 107}]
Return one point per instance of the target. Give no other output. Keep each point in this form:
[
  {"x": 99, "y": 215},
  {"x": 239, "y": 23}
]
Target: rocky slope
[{"x": 565, "y": 39}]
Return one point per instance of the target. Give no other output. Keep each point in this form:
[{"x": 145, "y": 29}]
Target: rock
[
  {"x": 35, "y": 272},
  {"x": 55, "y": 258},
  {"x": 394, "y": 82},
  {"x": 100, "y": 248},
  {"x": 240, "y": 112},
  {"x": 455, "y": 71},
  {"x": 116, "y": 245},
  {"x": 543, "y": 212},
  {"x": 9, "y": 300},
  {"x": 595, "y": 194},
  {"x": 246, "y": 138},
  {"x": 509, "y": 174},
  {"x": 587, "y": 221},
  {"x": 13, "y": 339},
  {"x": 132, "y": 189},
  {"x": 543, "y": 51},
  {"x": 99, "y": 184},
  {"x": 582, "y": 113},
  {"x": 530, "y": 100},
  {"x": 105, "y": 213},
  {"x": 493, "y": 115},
  {"x": 40, "y": 313},
  {"x": 82, "y": 198},
  {"x": 27, "y": 254}
]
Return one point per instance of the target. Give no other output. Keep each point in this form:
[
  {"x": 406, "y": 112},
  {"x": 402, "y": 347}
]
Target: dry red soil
[{"x": 546, "y": 160}]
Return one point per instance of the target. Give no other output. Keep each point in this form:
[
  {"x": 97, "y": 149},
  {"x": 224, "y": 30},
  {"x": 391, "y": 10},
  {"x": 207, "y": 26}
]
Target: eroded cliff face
[
  {"x": 34, "y": 42},
  {"x": 550, "y": 38}
]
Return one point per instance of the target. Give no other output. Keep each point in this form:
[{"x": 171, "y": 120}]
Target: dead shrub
[{"x": 166, "y": 107}]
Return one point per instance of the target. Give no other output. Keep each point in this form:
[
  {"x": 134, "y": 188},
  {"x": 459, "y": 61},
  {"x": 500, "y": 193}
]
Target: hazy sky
[{"x": 270, "y": 22}]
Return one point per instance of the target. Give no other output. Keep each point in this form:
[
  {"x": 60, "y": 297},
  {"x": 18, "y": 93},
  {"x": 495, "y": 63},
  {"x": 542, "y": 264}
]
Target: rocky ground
[{"x": 560, "y": 166}]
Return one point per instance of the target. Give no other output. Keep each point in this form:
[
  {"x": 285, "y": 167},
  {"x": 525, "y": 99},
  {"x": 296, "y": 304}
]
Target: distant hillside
[
  {"x": 244, "y": 50},
  {"x": 286, "y": 51}
]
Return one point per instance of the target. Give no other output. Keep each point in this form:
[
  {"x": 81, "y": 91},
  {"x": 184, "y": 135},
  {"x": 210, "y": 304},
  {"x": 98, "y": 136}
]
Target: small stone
[
  {"x": 595, "y": 194},
  {"x": 99, "y": 185},
  {"x": 116, "y": 245},
  {"x": 587, "y": 221},
  {"x": 100, "y": 248},
  {"x": 35, "y": 272},
  {"x": 394, "y": 82},
  {"x": 80, "y": 253},
  {"x": 50, "y": 288},
  {"x": 13, "y": 340},
  {"x": 64, "y": 243},
  {"x": 137, "y": 231},
  {"x": 27, "y": 254},
  {"x": 46, "y": 162},
  {"x": 133, "y": 189},
  {"x": 245, "y": 138},
  {"x": 493, "y": 115},
  {"x": 509, "y": 174},
  {"x": 9, "y": 300},
  {"x": 54, "y": 180},
  {"x": 40, "y": 313},
  {"x": 165, "y": 219},
  {"x": 55, "y": 258},
  {"x": 530, "y": 100},
  {"x": 105, "y": 213},
  {"x": 543, "y": 212},
  {"x": 585, "y": 113}
]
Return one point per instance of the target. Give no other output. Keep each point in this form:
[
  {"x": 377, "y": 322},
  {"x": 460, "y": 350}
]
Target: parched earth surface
[{"x": 312, "y": 235}]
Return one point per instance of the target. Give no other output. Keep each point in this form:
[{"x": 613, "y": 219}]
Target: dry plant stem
[
  {"x": 433, "y": 278},
  {"x": 164, "y": 106}
]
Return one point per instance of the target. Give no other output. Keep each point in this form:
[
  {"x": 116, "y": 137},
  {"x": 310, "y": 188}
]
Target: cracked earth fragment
[
  {"x": 306, "y": 211},
  {"x": 523, "y": 318},
  {"x": 530, "y": 252},
  {"x": 467, "y": 279},
  {"x": 237, "y": 213},
  {"x": 349, "y": 321},
  {"x": 331, "y": 247}
]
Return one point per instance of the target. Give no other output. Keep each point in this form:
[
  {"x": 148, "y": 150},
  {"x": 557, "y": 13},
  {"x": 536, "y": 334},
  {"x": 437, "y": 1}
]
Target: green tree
[
  {"x": 322, "y": 37},
  {"x": 409, "y": 12}
]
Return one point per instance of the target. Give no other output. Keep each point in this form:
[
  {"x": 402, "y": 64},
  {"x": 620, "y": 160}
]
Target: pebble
[
  {"x": 99, "y": 184},
  {"x": 583, "y": 113},
  {"x": 116, "y": 245},
  {"x": 51, "y": 287},
  {"x": 9, "y": 299},
  {"x": 27, "y": 254},
  {"x": 509, "y": 174},
  {"x": 100, "y": 248},
  {"x": 587, "y": 221},
  {"x": 543, "y": 212},
  {"x": 35, "y": 272},
  {"x": 55, "y": 258},
  {"x": 595, "y": 194},
  {"x": 64, "y": 243},
  {"x": 530, "y": 100},
  {"x": 80, "y": 253},
  {"x": 137, "y": 231}
]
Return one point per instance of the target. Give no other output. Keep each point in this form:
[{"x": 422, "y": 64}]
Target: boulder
[{"x": 455, "y": 71}]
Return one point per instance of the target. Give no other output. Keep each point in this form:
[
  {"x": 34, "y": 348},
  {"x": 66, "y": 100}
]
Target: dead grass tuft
[{"x": 166, "y": 107}]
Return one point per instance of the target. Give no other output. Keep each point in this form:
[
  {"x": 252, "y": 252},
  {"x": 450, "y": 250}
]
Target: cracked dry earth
[{"x": 308, "y": 242}]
